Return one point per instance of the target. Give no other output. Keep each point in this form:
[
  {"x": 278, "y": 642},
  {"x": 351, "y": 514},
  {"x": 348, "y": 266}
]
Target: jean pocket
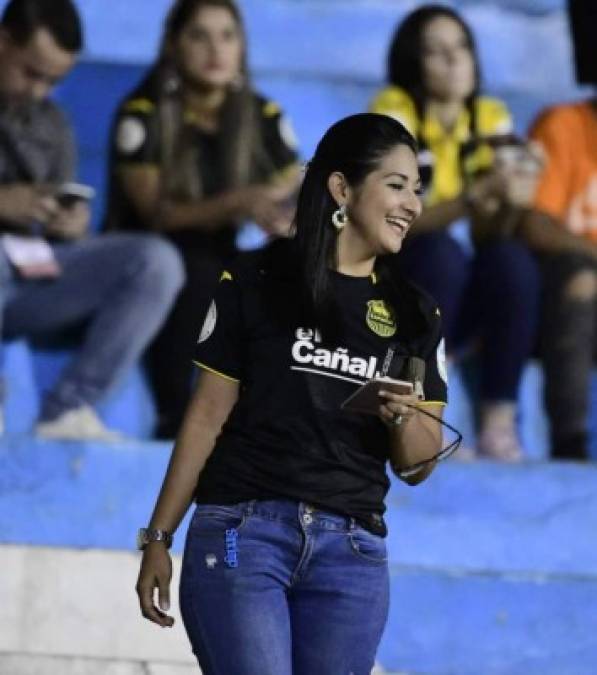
[
  {"x": 368, "y": 546},
  {"x": 217, "y": 518}
]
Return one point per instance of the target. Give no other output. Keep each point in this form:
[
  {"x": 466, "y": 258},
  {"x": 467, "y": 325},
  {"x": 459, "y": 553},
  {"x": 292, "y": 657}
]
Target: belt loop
[
  {"x": 352, "y": 523},
  {"x": 250, "y": 507}
]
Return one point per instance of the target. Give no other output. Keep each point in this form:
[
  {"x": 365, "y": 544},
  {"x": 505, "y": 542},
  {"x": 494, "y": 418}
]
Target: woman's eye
[
  {"x": 420, "y": 191},
  {"x": 197, "y": 35},
  {"x": 229, "y": 36},
  {"x": 431, "y": 51},
  {"x": 396, "y": 186}
]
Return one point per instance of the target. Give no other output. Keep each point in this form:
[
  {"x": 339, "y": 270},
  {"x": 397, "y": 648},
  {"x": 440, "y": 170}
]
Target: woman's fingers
[
  {"x": 402, "y": 403},
  {"x": 164, "y": 595},
  {"x": 145, "y": 591},
  {"x": 393, "y": 415},
  {"x": 387, "y": 414},
  {"x": 396, "y": 407}
]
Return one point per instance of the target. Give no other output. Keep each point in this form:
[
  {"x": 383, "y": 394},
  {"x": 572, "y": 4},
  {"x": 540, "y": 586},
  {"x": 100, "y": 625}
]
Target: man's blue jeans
[
  {"x": 279, "y": 588},
  {"x": 120, "y": 286}
]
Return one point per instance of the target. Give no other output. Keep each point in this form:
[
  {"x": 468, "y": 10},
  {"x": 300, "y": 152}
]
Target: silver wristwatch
[{"x": 146, "y": 536}]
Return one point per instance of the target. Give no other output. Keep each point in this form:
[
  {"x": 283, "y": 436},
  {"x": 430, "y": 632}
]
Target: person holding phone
[
  {"x": 285, "y": 567},
  {"x": 52, "y": 276},
  {"x": 488, "y": 292},
  {"x": 196, "y": 151}
]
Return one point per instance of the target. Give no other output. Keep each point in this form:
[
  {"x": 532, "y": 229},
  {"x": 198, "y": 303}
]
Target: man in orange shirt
[{"x": 563, "y": 227}]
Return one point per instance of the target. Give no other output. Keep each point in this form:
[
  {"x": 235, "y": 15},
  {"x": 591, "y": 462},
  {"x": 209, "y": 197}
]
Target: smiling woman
[
  {"x": 289, "y": 485},
  {"x": 489, "y": 300},
  {"x": 378, "y": 213}
]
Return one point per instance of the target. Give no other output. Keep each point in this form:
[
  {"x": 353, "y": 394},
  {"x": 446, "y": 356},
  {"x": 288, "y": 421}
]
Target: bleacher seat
[{"x": 90, "y": 95}]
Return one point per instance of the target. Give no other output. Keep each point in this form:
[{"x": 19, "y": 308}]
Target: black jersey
[
  {"x": 287, "y": 436},
  {"x": 137, "y": 140}
]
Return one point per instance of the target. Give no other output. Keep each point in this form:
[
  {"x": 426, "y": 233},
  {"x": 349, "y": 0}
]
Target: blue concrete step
[
  {"x": 493, "y": 567},
  {"x": 81, "y": 495},
  {"x": 487, "y": 518},
  {"x": 494, "y": 570},
  {"x": 480, "y": 516},
  {"x": 475, "y": 624}
]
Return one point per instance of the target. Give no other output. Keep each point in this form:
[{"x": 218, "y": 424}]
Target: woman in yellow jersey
[
  {"x": 490, "y": 293},
  {"x": 196, "y": 151}
]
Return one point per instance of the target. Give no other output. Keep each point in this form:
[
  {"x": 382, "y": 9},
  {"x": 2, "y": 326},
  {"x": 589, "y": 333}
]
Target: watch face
[
  {"x": 146, "y": 536},
  {"x": 142, "y": 539}
]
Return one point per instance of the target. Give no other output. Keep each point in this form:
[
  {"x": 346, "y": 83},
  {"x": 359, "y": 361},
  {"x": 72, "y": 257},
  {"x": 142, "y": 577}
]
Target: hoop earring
[{"x": 339, "y": 217}]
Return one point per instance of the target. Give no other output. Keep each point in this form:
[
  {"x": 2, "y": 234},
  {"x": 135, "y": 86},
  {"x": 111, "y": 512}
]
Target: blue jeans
[
  {"x": 568, "y": 347},
  {"x": 280, "y": 588},
  {"x": 492, "y": 298},
  {"x": 120, "y": 286}
]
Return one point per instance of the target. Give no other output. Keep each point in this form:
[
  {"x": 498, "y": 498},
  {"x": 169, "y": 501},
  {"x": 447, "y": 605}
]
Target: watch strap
[{"x": 148, "y": 535}]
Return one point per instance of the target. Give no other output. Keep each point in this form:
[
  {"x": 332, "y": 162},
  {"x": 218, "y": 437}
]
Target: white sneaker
[{"x": 80, "y": 424}]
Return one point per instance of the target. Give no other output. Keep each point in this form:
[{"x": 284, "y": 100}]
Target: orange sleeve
[{"x": 553, "y": 131}]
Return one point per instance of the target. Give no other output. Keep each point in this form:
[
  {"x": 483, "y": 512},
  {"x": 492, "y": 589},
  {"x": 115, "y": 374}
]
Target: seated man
[
  {"x": 563, "y": 226},
  {"x": 120, "y": 287}
]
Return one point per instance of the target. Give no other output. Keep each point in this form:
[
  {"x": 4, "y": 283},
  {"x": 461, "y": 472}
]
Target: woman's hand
[
  {"x": 70, "y": 223},
  {"x": 521, "y": 185},
  {"x": 26, "y": 204},
  {"x": 485, "y": 193},
  {"x": 521, "y": 169},
  {"x": 263, "y": 205},
  {"x": 155, "y": 572},
  {"x": 395, "y": 409}
]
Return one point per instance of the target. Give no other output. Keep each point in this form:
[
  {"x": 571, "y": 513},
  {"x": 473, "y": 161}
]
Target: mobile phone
[
  {"x": 366, "y": 398},
  {"x": 68, "y": 194}
]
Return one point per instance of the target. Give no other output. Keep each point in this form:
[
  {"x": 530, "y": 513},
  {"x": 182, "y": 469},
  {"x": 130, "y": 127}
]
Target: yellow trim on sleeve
[
  {"x": 215, "y": 372},
  {"x": 270, "y": 109},
  {"x": 440, "y": 403},
  {"x": 142, "y": 105},
  {"x": 226, "y": 276}
]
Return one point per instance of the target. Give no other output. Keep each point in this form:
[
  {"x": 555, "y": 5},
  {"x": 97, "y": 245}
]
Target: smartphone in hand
[
  {"x": 69, "y": 194},
  {"x": 366, "y": 398}
]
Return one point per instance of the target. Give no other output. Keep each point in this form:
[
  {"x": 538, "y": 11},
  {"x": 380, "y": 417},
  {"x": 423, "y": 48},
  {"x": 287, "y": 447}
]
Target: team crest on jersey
[{"x": 381, "y": 318}]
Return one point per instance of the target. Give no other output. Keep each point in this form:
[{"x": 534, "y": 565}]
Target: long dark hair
[
  {"x": 405, "y": 56},
  {"x": 241, "y": 144},
  {"x": 354, "y": 146}
]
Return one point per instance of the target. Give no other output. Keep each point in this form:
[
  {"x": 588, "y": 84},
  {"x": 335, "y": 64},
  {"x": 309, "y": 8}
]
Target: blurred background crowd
[{"x": 198, "y": 154}]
